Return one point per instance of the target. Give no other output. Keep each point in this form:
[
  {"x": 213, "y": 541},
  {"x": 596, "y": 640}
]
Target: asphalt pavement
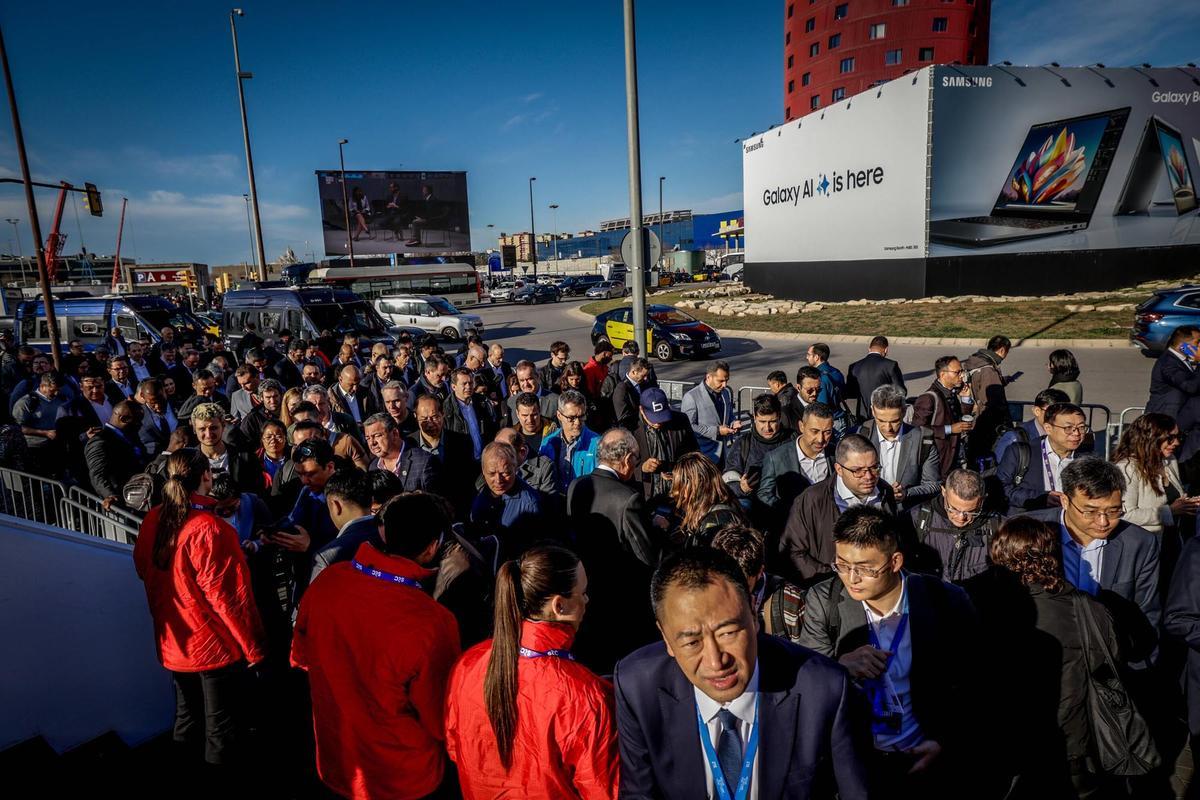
[{"x": 1115, "y": 377}]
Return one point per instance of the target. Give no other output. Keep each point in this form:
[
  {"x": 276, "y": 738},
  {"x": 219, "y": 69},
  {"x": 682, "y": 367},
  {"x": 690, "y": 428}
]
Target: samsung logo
[
  {"x": 968, "y": 81},
  {"x": 750, "y": 148}
]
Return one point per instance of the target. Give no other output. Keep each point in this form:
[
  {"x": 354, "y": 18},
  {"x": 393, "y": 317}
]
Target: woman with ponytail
[
  {"x": 523, "y": 718},
  {"x": 206, "y": 625}
]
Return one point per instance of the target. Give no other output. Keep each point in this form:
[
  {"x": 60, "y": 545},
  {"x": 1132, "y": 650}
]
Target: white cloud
[{"x": 533, "y": 97}]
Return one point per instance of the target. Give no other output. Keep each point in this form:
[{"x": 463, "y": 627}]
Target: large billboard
[
  {"x": 394, "y": 212},
  {"x": 824, "y": 189},
  {"x": 1038, "y": 159}
]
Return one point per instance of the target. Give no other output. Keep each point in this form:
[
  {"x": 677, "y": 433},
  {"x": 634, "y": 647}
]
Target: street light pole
[
  {"x": 532, "y": 229},
  {"x": 34, "y": 225},
  {"x": 662, "y": 247},
  {"x": 241, "y": 76},
  {"x": 17, "y": 238},
  {"x": 249, "y": 226},
  {"x": 346, "y": 197},
  {"x": 638, "y": 285},
  {"x": 554, "y": 208}
]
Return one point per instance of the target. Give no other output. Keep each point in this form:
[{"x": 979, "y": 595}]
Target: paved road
[{"x": 1115, "y": 377}]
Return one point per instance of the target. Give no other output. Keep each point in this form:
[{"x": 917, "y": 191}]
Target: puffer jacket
[
  {"x": 202, "y": 603},
  {"x": 566, "y": 739}
]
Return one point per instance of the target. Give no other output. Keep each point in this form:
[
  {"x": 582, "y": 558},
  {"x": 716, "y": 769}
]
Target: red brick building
[{"x": 836, "y": 48}]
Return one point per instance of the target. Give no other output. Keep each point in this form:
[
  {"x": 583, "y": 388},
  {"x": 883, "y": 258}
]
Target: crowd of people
[{"x": 421, "y": 573}]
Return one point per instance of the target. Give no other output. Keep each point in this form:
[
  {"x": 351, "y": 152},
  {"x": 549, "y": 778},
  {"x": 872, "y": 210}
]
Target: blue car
[{"x": 1165, "y": 311}]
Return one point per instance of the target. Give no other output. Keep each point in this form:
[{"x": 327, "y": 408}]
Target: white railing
[
  {"x": 30, "y": 497},
  {"x": 50, "y": 502},
  {"x": 114, "y": 524}
]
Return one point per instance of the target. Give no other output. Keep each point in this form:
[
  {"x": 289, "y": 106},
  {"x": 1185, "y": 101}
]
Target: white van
[{"x": 430, "y": 313}]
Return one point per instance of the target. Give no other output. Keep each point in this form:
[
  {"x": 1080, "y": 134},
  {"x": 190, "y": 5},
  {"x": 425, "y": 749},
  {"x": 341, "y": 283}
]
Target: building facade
[
  {"x": 834, "y": 49},
  {"x": 680, "y": 230}
]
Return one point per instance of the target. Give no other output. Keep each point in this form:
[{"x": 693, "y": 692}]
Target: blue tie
[{"x": 729, "y": 748}]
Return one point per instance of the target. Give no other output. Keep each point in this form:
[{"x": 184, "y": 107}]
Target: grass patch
[{"x": 960, "y": 319}]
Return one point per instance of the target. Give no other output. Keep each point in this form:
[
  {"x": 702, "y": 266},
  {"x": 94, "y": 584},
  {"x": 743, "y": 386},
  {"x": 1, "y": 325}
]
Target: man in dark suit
[
  {"x": 789, "y": 470},
  {"x": 348, "y": 495},
  {"x": 906, "y": 453},
  {"x": 158, "y": 420},
  {"x": 287, "y": 369},
  {"x": 1181, "y": 621},
  {"x": 452, "y": 450},
  {"x": 114, "y": 455},
  {"x": 627, "y": 394},
  {"x": 469, "y": 413},
  {"x": 909, "y": 639},
  {"x": 121, "y": 384},
  {"x": 348, "y": 397},
  {"x": 1103, "y": 555},
  {"x": 716, "y": 701},
  {"x": 1175, "y": 384},
  {"x": 416, "y": 469},
  {"x": 871, "y": 371},
  {"x": 613, "y": 535}
]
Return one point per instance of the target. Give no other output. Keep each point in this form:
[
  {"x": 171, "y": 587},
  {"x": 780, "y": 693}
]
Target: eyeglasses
[
  {"x": 572, "y": 417},
  {"x": 1091, "y": 516},
  {"x": 967, "y": 515},
  {"x": 858, "y": 472},
  {"x": 273, "y": 437},
  {"x": 859, "y": 570},
  {"x": 430, "y": 418},
  {"x": 1072, "y": 429}
]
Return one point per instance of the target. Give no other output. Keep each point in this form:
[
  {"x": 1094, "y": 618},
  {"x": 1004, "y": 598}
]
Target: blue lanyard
[
  {"x": 386, "y": 576},
  {"x": 720, "y": 782},
  {"x": 1046, "y": 462},
  {"x": 875, "y": 686},
  {"x": 527, "y": 653},
  {"x": 895, "y": 643}
]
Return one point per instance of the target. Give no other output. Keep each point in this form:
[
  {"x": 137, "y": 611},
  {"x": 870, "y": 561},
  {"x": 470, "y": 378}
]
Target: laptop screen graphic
[
  {"x": 1053, "y": 166},
  {"x": 1183, "y": 192}
]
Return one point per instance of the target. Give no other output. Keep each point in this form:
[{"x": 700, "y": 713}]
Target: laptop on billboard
[
  {"x": 1052, "y": 187},
  {"x": 1160, "y": 149}
]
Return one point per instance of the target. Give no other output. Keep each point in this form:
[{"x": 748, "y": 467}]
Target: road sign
[
  {"x": 495, "y": 263},
  {"x": 651, "y": 249}
]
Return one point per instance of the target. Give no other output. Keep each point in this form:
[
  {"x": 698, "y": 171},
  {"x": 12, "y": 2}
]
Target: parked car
[
  {"x": 575, "y": 285},
  {"x": 532, "y": 293},
  {"x": 1162, "y": 313},
  {"x": 502, "y": 292},
  {"x": 607, "y": 290},
  {"x": 430, "y": 313},
  {"x": 670, "y": 332}
]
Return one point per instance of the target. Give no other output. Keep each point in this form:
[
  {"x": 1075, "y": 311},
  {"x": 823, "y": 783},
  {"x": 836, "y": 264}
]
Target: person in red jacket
[
  {"x": 206, "y": 626},
  {"x": 596, "y": 369},
  {"x": 523, "y": 718},
  {"x": 378, "y": 650}
]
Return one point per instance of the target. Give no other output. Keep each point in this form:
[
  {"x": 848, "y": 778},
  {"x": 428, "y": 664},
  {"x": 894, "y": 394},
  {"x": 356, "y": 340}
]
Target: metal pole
[
  {"x": 249, "y": 226},
  {"x": 346, "y": 198},
  {"x": 237, "y": 65},
  {"x": 638, "y": 286},
  {"x": 532, "y": 230},
  {"x": 554, "y": 208},
  {"x": 17, "y": 237},
  {"x": 661, "y": 242},
  {"x": 116, "y": 276},
  {"x": 34, "y": 224}
]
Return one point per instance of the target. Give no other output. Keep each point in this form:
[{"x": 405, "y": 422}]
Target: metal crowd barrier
[
  {"x": 675, "y": 390},
  {"x": 30, "y": 497},
  {"x": 115, "y": 524},
  {"x": 1100, "y": 431},
  {"x": 1118, "y": 427},
  {"x": 746, "y": 395}
]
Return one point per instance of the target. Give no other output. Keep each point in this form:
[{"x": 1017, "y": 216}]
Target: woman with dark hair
[
  {"x": 1064, "y": 374},
  {"x": 274, "y": 450},
  {"x": 207, "y": 628},
  {"x": 1154, "y": 496},
  {"x": 360, "y": 209},
  {"x": 1030, "y": 619},
  {"x": 523, "y": 718},
  {"x": 703, "y": 503}
]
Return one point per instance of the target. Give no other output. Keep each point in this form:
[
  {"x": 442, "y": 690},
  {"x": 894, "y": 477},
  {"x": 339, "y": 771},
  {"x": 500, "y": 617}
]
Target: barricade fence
[
  {"x": 30, "y": 497},
  {"x": 50, "y": 502},
  {"x": 746, "y": 395},
  {"x": 675, "y": 390},
  {"x": 114, "y": 524},
  {"x": 1119, "y": 426}
]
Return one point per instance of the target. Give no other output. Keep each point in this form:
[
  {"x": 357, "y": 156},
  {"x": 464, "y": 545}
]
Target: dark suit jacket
[
  {"x": 866, "y": 375},
  {"x": 457, "y": 467},
  {"x": 920, "y": 479},
  {"x": 1182, "y": 621},
  {"x": 287, "y": 373},
  {"x": 680, "y": 440},
  {"x": 1129, "y": 569},
  {"x": 114, "y": 394},
  {"x": 418, "y": 470},
  {"x": 455, "y": 421},
  {"x": 153, "y": 438},
  {"x": 112, "y": 461},
  {"x": 810, "y": 736},
  {"x": 182, "y": 378},
  {"x": 345, "y": 545},
  {"x": 612, "y": 534},
  {"x": 363, "y": 399},
  {"x": 942, "y": 625},
  {"x": 626, "y": 399},
  {"x": 1172, "y": 384},
  {"x": 782, "y": 481}
]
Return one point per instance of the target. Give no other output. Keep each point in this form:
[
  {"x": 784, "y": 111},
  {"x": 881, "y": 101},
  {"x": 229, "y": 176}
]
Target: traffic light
[
  {"x": 508, "y": 256},
  {"x": 189, "y": 281},
  {"x": 91, "y": 200}
]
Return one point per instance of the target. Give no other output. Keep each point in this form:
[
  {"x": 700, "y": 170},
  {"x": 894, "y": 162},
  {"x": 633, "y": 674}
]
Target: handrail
[
  {"x": 675, "y": 390},
  {"x": 29, "y": 496},
  {"x": 39, "y": 499},
  {"x": 754, "y": 392},
  {"x": 114, "y": 524}
]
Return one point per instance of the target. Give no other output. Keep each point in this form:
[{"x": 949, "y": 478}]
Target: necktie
[{"x": 729, "y": 748}]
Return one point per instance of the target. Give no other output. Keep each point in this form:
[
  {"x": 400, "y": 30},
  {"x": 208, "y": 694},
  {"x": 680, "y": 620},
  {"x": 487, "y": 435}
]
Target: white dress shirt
[
  {"x": 741, "y": 707},
  {"x": 851, "y": 499},
  {"x": 889, "y": 459},
  {"x": 896, "y": 680},
  {"x": 1054, "y": 463},
  {"x": 103, "y": 410},
  {"x": 815, "y": 469},
  {"x": 140, "y": 371}
]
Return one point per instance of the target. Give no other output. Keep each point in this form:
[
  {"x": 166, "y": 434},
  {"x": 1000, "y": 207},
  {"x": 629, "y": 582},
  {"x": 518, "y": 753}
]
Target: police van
[
  {"x": 91, "y": 319},
  {"x": 308, "y": 312}
]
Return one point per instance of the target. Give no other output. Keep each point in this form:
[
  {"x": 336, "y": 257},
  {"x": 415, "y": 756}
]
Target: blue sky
[{"x": 142, "y": 101}]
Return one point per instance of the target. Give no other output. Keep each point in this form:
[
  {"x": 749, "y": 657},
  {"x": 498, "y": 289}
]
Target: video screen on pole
[{"x": 394, "y": 212}]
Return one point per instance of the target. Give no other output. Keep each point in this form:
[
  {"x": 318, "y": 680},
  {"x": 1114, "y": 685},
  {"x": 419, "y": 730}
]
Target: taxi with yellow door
[{"x": 670, "y": 332}]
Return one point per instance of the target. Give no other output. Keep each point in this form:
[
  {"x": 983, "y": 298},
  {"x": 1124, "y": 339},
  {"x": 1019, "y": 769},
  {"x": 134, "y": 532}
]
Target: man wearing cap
[{"x": 663, "y": 435}]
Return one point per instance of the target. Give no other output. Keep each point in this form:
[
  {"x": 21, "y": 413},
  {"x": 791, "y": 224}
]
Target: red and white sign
[{"x": 157, "y": 276}]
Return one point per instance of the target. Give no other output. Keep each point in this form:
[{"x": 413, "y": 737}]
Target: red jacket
[
  {"x": 378, "y": 654},
  {"x": 566, "y": 741},
  {"x": 202, "y": 603},
  {"x": 594, "y": 374}
]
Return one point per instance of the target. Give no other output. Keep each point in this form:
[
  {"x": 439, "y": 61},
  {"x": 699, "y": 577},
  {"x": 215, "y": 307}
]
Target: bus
[{"x": 458, "y": 283}]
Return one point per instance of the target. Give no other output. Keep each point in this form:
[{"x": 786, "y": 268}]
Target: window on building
[
  {"x": 814, "y": 101},
  {"x": 840, "y": 11},
  {"x": 787, "y": 38},
  {"x": 925, "y": 54},
  {"x": 810, "y": 24},
  {"x": 847, "y": 65},
  {"x": 835, "y": 41},
  {"x": 791, "y": 61},
  {"x": 787, "y": 112},
  {"x": 791, "y": 10},
  {"x": 877, "y": 31},
  {"x": 940, "y": 24},
  {"x": 972, "y": 28},
  {"x": 806, "y": 79},
  {"x": 791, "y": 86},
  {"x": 839, "y": 94},
  {"x": 814, "y": 48},
  {"x": 892, "y": 57}
]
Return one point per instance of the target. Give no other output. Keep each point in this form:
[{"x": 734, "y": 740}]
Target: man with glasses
[
  {"x": 416, "y": 469},
  {"x": 805, "y": 550},
  {"x": 954, "y": 529},
  {"x": 1033, "y": 480},
  {"x": 572, "y": 447},
  {"x": 941, "y": 407},
  {"x": 451, "y": 449},
  {"x": 906, "y": 639}
]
